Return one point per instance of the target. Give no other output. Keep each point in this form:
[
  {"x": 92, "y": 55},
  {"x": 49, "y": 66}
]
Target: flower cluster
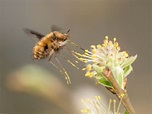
[
  {"x": 97, "y": 106},
  {"x": 107, "y": 56}
]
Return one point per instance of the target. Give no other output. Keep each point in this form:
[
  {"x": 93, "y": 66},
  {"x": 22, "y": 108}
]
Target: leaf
[
  {"x": 101, "y": 78},
  {"x": 98, "y": 69},
  {"x": 126, "y": 112},
  {"x": 129, "y": 61},
  {"x": 103, "y": 81},
  {"x": 127, "y": 70},
  {"x": 118, "y": 72}
]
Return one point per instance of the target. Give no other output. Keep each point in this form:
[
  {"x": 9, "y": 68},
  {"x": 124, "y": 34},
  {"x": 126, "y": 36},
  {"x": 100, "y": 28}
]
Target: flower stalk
[{"x": 120, "y": 92}]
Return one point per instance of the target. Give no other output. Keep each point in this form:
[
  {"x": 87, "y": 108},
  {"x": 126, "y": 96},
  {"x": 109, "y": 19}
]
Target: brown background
[{"x": 89, "y": 21}]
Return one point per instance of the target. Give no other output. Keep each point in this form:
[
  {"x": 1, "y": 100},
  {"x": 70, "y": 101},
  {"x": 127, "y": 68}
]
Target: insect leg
[
  {"x": 73, "y": 54},
  {"x": 57, "y": 67},
  {"x": 64, "y": 71},
  {"x": 51, "y": 54},
  {"x": 73, "y": 64},
  {"x": 69, "y": 53}
]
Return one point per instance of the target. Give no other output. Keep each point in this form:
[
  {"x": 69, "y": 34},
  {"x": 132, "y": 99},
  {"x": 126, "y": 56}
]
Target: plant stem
[{"x": 121, "y": 94}]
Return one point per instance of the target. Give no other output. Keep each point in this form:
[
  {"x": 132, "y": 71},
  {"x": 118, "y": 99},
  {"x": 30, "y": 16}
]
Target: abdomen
[{"x": 40, "y": 50}]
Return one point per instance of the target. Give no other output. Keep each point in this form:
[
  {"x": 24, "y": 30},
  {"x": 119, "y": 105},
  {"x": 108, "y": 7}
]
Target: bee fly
[{"x": 50, "y": 44}]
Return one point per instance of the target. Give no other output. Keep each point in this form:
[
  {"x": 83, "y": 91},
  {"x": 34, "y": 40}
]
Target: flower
[
  {"x": 107, "y": 56},
  {"x": 97, "y": 106}
]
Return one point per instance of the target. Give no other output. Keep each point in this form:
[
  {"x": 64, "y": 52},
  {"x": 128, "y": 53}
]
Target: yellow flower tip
[
  {"x": 125, "y": 53},
  {"x": 95, "y": 97},
  {"x": 89, "y": 66},
  {"x": 87, "y": 73},
  {"x": 106, "y": 37},
  {"x": 91, "y": 75},
  {"x": 89, "y": 100},
  {"x": 103, "y": 45},
  {"x": 93, "y": 46},
  {"x": 103, "y": 67},
  {"x": 99, "y": 97},
  {"x": 114, "y": 100},
  {"x": 85, "y": 61},
  {"x": 93, "y": 56},
  {"x": 86, "y": 50},
  {"x": 116, "y": 44},
  {"x": 110, "y": 43},
  {"x": 98, "y": 46},
  {"x": 122, "y": 95},
  {"x": 82, "y": 111},
  {"x": 86, "y": 110},
  {"x": 81, "y": 59},
  {"x": 82, "y": 100},
  {"x": 114, "y": 39},
  {"x": 83, "y": 68},
  {"x": 76, "y": 61},
  {"x": 105, "y": 41},
  {"x": 118, "y": 48},
  {"x": 97, "y": 83},
  {"x": 86, "y": 53},
  {"x": 94, "y": 51}
]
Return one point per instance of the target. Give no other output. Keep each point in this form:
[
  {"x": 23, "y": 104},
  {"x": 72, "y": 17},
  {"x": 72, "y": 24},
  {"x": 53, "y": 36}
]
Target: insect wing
[
  {"x": 55, "y": 28},
  {"x": 32, "y": 32}
]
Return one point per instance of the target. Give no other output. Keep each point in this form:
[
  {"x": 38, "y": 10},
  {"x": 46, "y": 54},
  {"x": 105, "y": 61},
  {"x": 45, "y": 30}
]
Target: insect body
[{"x": 49, "y": 44}]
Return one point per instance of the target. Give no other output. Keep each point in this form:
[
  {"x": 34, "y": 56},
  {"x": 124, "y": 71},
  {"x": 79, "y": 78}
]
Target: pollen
[
  {"x": 87, "y": 51},
  {"x": 81, "y": 59},
  {"x": 116, "y": 44},
  {"x": 93, "y": 46},
  {"x": 91, "y": 75},
  {"x": 99, "y": 46},
  {"x": 106, "y": 37},
  {"x": 89, "y": 66},
  {"x": 83, "y": 68},
  {"x": 87, "y": 73},
  {"x": 105, "y": 41},
  {"x": 114, "y": 39},
  {"x": 85, "y": 61},
  {"x": 94, "y": 51},
  {"x": 103, "y": 45},
  {"x": 93, "y": 56},
  {"x": 118, "y": 48},
  {"x": 110, "y": 43},
  {"x": 125, "y": 54}
]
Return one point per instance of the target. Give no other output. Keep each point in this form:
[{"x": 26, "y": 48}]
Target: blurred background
[{"x": 29, "y": 86}]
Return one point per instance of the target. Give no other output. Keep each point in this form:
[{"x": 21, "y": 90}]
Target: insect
[{"x": 50, "y": 44}]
